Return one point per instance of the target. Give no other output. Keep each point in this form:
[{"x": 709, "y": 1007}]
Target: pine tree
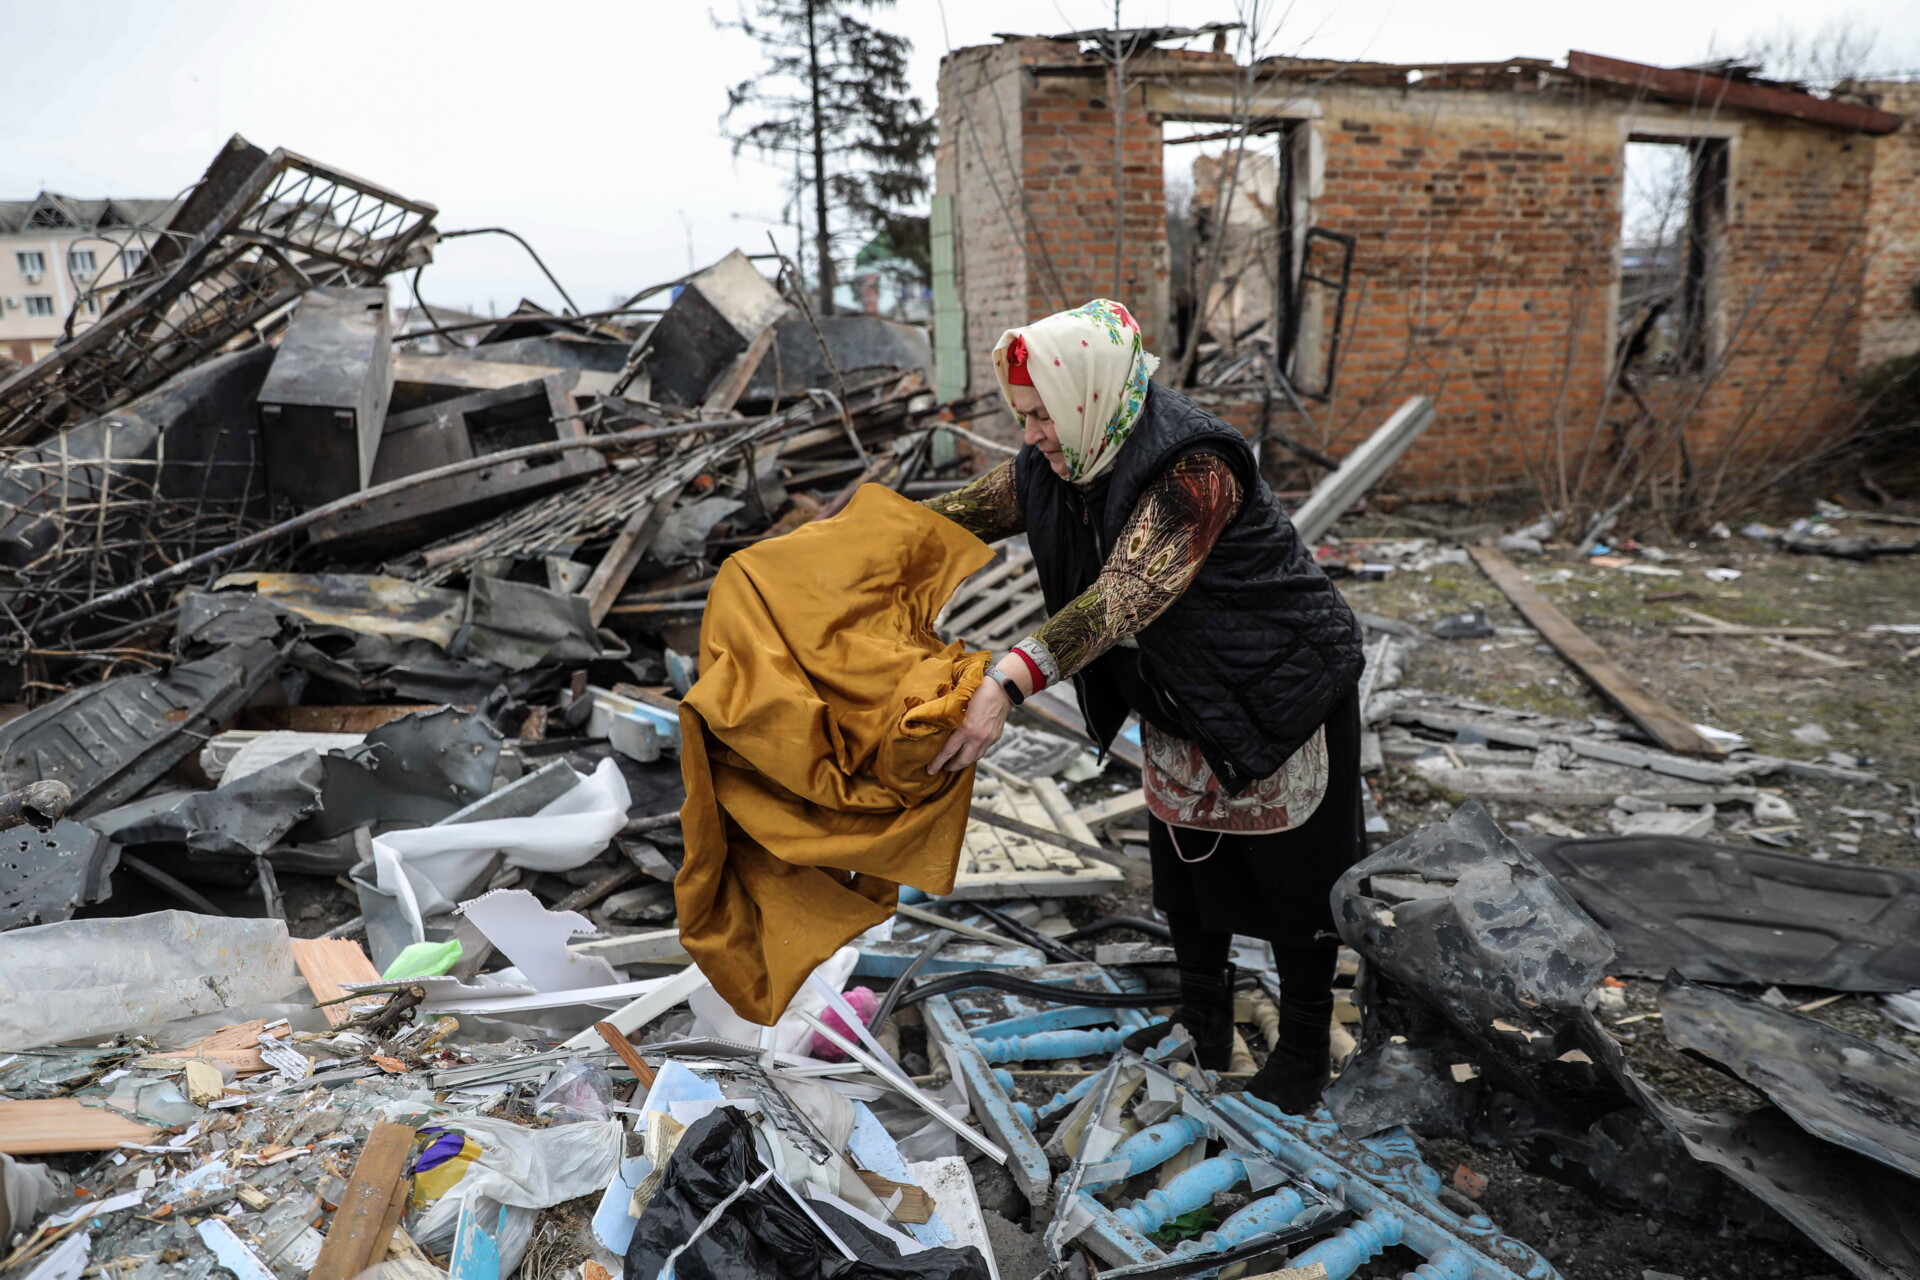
[{"x": 834, "y": 94}]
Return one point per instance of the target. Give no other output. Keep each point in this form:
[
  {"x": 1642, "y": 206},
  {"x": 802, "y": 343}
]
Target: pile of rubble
[{"x": 320, "y": 629}]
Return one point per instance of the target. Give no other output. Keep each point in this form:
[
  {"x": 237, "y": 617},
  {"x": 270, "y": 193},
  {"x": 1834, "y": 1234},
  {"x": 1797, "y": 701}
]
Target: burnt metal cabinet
[
  {"x": 324, "y": 402},
  {"x": 469, "y": 426},
  {"x": 713, "y": 319}
]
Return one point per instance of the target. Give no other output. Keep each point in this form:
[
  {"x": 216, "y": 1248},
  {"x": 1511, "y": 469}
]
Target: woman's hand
[{"x": 987, "y": 714}]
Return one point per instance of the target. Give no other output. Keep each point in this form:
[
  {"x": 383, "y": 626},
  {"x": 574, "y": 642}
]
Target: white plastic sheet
[
  {"x": 425, "y": 867},
  {"x": 93, "y": 977},
  {"x": 713, "y": 1016}
]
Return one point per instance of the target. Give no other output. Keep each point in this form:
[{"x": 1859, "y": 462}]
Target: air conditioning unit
[
  {"x": 85, "y": 274},
  {"x": 33, "y": 277},
  {"x": 13, "y": 303}
]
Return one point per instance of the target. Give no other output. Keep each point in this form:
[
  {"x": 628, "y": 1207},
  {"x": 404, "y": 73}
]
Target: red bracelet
[{"x": 1033, "y": 669}]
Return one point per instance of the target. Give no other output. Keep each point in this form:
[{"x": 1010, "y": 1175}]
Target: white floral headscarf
[{"x": 1090, "y": 369}]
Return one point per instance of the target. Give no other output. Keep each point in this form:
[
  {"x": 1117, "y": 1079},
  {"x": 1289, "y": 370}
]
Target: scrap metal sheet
[{"x": 1734, "y": 914}]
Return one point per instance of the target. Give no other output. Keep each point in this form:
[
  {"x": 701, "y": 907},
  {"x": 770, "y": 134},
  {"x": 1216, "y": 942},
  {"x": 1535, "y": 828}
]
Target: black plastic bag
[{"x": 762, "y": 1234}]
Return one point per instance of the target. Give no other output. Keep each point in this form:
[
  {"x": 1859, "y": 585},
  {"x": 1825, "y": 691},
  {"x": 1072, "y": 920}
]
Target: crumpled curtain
[{"x": 823, "y": 694}]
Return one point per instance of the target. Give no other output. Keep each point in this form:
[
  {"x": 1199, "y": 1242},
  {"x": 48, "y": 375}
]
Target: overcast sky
[{"x": 593, "y": 128}]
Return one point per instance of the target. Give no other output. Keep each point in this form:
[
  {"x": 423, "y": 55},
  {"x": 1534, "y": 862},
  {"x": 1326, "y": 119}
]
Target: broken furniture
[
  {"x": 1317, "y": 1196},
  {"x": 986, "y": 1030}
]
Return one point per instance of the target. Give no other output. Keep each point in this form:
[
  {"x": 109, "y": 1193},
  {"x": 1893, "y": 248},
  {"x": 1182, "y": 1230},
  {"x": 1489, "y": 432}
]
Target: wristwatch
[{"x": 1012, "y": 690}]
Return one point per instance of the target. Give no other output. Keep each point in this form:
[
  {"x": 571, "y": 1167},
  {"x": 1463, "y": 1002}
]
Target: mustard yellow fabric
[{"x": 823, "y": 694}]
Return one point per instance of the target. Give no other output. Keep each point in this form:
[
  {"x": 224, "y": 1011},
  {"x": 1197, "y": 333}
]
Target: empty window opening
[
  {"x": 1672, "y": 215},
  {"x": 1233, "y": 241}
]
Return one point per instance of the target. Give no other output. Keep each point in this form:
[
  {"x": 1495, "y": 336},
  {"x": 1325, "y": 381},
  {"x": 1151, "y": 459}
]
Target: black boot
[
  {"x": 1206, "y": 1011},
  {"x": 1295, "y": 1073}
]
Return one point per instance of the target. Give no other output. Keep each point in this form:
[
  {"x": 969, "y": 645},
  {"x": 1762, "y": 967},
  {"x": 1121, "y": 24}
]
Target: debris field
[{"x": 343, "y": 800}]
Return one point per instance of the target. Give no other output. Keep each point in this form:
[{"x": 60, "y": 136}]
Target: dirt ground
[{"x": 1870, "y": 712}]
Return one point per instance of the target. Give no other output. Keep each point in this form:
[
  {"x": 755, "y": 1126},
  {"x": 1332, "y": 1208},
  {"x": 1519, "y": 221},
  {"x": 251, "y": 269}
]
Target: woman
[{"x": 1179, "y": 591}]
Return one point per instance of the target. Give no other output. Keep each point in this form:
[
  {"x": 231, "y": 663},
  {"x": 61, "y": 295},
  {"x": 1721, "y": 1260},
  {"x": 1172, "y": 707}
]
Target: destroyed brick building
[{"x": 1483, "y": 202}]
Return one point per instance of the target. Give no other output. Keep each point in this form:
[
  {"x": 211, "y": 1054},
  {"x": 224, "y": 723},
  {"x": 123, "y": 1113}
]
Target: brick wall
[
  {"x": 1481, "y": 278},
  {"x": 1486, "y": 273},
  {"x": 1890, "y": 296}
]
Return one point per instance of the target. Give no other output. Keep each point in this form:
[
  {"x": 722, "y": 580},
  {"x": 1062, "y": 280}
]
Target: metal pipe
[{"x": 38, "y": 805}]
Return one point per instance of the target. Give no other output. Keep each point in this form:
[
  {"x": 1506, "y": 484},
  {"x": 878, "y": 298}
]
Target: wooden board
[
  {"x": 1668, "y": 727},
  {"x": 1114, "y": 809},
  {"x": 732, "y": 382},
  {"x": 1770, "y": 638},
  {"x": 319, "y": 719},
  {"x": 1732, "y": 629},
  {"x": 629, "y": 545},
  {"x": 999, "y": 863},
  {"x": 245, "y": 1062},
  {"x": 48, "y": 1126},
  {"x": 618, "y": 1042},
  {"x": 326, "y": 963},
  {"x": 363, "y": 1224}
]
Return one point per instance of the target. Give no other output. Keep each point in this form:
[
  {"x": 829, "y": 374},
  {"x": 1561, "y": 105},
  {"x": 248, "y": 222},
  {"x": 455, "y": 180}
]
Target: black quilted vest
[{"x": 1252, "y": 656}]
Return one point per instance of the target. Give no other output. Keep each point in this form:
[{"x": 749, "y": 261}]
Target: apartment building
[{"x": 58, "y": 253}]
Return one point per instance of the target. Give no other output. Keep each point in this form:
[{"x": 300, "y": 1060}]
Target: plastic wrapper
[
  {"x": 523, "y": 1169},
  {"x": 25, "y": 1189},
  {"x": 576, "y": 1093},
  {"x": 94, "y": 977},
  {"x": 715, "y": 1223}
]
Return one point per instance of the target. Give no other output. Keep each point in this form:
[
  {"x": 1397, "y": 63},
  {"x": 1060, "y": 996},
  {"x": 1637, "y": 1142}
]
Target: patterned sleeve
[
  {"x": 986, "y": 506},
  {"x": 1175, "y": 525}
]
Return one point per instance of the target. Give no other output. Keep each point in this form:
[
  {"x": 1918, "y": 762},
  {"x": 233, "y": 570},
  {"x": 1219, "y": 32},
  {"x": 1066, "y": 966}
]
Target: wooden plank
[
  {"x": 618, "y": 1042},
  {"x": 327, "y": 963},
  {"x": 49, "y": 1126},
  {"x": 245, "y": 1062},
  {"x": 1667, "y": 726},
  {"x": 732, "y": 382},
  {"x": 1719, "y": 626},
  {"x": 1361, "y": 469},
  {"x": 1731, "y": 629},
  {"x": 361, "y": 1221},
  {"x": 383, "y": 1236},
  {"x": 241, "y": 1035},
  {"x": 617, "y": 565},
  {"x": 329, "y": 719},
  {"x": 1710, "y": 92},
  {"x": 915, "y": 1206},
  {"x": 1113, "y": 809}
]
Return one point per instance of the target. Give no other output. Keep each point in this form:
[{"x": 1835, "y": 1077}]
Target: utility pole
[{"x": 820, "y": 242}]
